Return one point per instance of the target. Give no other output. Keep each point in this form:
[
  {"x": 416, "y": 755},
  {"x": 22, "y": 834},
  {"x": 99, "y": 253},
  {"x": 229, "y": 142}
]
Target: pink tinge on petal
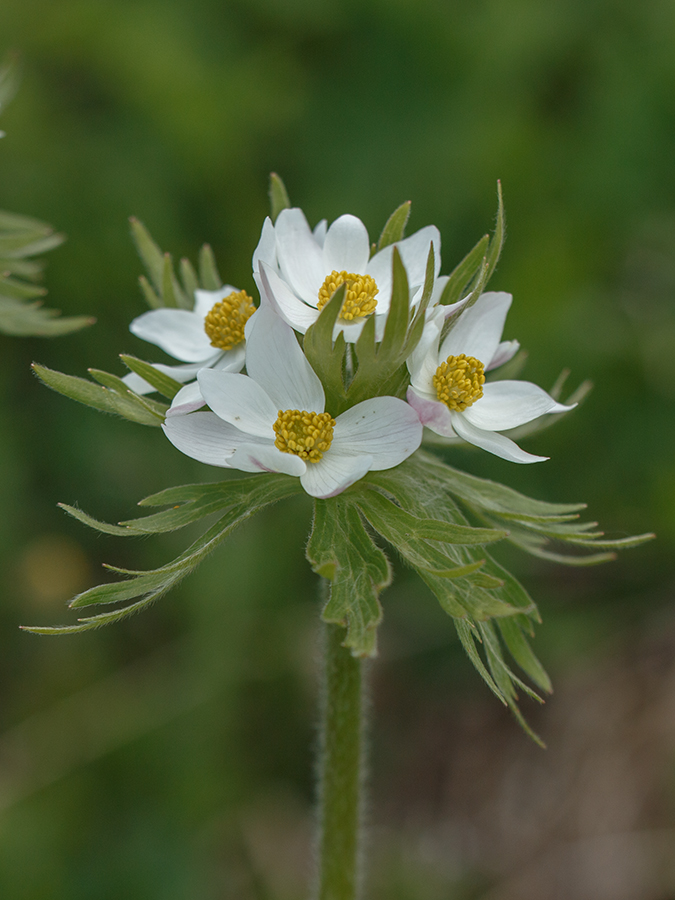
[
  {"x": 188, "y": 399},
  {"x": 505, "y": 351},
  {"x": 433, "y": 414}
]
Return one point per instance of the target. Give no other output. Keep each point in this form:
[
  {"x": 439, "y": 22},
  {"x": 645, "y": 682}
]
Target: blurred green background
[{"x": 170, "y": 757}]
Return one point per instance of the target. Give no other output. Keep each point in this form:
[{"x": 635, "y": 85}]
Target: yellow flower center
[
  {"x": 359, "y": 296},
  {"x": 459, "y": 381},
  {"x": 224, "y": 323},
  {"x": 307, "y": 434}
]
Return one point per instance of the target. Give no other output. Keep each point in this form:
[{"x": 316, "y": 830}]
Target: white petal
[
  {"x": 504, "y": 352},
  {"x": 231, "y": 360},
  {"x": 495, "y": 443},
  {"x": 179, "y": 332},
  {"x": 479, "y": 328},
  {"x": 320, "y": 232},
  {"x": 266, "y": 251},
  {"x": 385, "y": 428},
  {"x": 432, "y": 413},
  {"x": 334, "y": 474},
  {"x": 352, "y": 330},
  {"x": 347, "y": 246},
  {"x": 188, "y": 399},
  {"x": 205, "y": 437},
  {"x": 239, "y": 400},
  {"x": 414, "y": 252},
  {"x": 266, "y": 458},
  {"x": 300, "y": 256},
  {"x": 274, "y": 359},
  {"x": 439, "y": 287},
  {"x": 206, "y": 300},
  {"x": 508, "y": 404},
  {"x": 285, "y": 303},
  {"x": 423, "y": 361}
]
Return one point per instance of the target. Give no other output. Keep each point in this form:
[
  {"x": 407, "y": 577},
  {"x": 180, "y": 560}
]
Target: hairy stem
[{"x": 340, "y": 770}]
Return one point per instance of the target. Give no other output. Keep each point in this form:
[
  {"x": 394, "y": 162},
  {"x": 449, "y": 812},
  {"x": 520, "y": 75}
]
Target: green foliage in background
[
  {"x": 168, "y": 741},
  {"x": 20, "y": 239}
]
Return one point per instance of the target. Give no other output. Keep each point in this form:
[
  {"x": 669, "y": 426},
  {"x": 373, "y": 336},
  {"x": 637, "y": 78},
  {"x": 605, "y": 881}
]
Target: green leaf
[
  {"x": 278, "y": 196},
  {"x": 254, "y": 494},
  {"x": 9, "y": 81},
  {"x": 31, "y": 319},
  {"x": 497, "y": 240},
  {"x": 325, "y": 357},
  {"x": 93, "y": 523},
  {"x": 192, "y": 502},
  {"x": 190, "y": 281},
  {"x": 397, "y": 521},
  {"x": 150, "y": 254},
  {"x": 394, "y": 230},
  {"x": 121, "y": 403},
  {"x": 616, "y": 544},
  {"x": 22, "y": 237},
  {"x": 208, "y": 271},
  {"x": 162, "y": 383},
  {"x": 481, "y": 493},
  {"x": 341, "y": 550},
  {"x": 171, "y": 292},
  {"x": 381, "y": 367},
  {"x": 468, "y": 636},
  {"x": 462, "y": 274},
  {"x": 521, "y": 651},
  {"x": 153, "y": 299}
]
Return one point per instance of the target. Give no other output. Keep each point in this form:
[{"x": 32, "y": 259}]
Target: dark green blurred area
[{"x": 171, "y": 757}]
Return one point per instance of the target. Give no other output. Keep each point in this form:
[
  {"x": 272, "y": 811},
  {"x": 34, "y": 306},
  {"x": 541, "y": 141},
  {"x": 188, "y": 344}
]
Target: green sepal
[
  {"x": 394, "y": 229},
  {"x": 340, "y": 550},
  {"x": 121, "y": 402},
  {"x": 164, "y": 384},
  {"x": 278, "y": 196},
  {"x": 462, "y": 274},
  {"x": 115, "y": 384},
  {"x": 208, "y": 270}
]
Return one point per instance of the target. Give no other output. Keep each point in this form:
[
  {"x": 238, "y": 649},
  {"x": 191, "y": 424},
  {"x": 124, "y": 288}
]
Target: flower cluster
[{"x": 253, "y": 401}]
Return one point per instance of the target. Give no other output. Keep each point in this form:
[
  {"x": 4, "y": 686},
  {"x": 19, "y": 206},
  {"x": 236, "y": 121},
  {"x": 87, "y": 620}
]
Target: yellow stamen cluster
[
  {"x": 307, "y": 434},
  {"x": 224, "y": 323},
  {"x": 459, "y": 381},
  {"x": 359, "y": 296}
]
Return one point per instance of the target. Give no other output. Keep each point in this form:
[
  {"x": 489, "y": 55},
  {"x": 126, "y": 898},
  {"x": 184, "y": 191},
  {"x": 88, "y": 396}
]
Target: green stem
[{"x": 340, "y": 770}]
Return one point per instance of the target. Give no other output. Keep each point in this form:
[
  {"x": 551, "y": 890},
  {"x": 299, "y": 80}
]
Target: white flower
[
  {"x": 448, "y": 387},
  {"x": 209, "y": 336},
  {"x": 274, "y": 419},
  {"x": 303, "y": 270}
]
